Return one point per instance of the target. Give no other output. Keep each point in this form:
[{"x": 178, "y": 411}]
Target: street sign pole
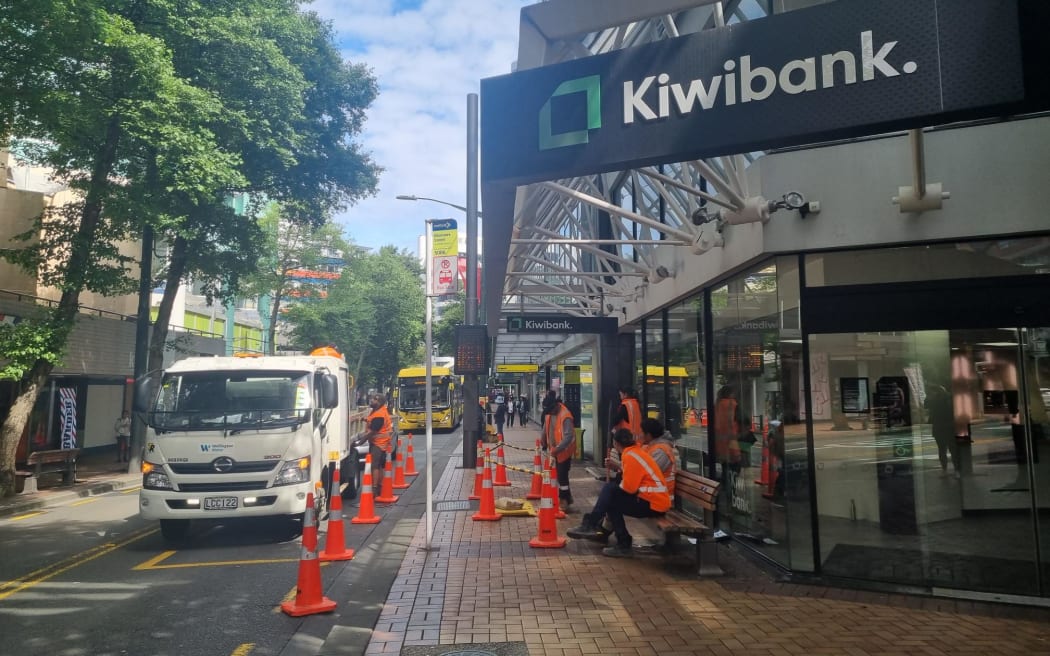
[{"x": 429, "y": 403}]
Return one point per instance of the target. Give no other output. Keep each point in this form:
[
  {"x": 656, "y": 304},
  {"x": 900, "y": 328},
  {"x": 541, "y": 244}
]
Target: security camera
[
  {"x": 794, "y": 200},
  {"x": 701, "y": 216},
  {"x": 658, "y": 274}
]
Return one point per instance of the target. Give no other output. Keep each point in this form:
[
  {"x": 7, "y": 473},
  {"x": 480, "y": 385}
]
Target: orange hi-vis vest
[
  {"x": 634, "y": 416},
  {"x": 553, "y": 436},
  {"x": 727, "y": 430},
  {"x": 672, "y": 457},
  {"x": 642, "y": 476},
  {"x": 386, "y": 433}
]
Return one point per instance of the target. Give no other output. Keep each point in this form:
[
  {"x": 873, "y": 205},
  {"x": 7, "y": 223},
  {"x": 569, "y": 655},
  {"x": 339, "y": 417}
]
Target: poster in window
[{"x": 854, "y": 393}]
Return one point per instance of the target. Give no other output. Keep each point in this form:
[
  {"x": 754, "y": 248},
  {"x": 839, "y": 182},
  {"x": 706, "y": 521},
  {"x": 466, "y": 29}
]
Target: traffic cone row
[
  {"x": 487, "y": 512},
  {"x": 410, "y": 460},
  {"x": 309, "y": 599},
  {"x": 536, "y": 491},
  {"x": 335, "y": 543},
  {"x": 399, "y": 470},
  {"x": 500, "y": 478},
  {"x": 366, "y": 511},
  {"x": 547, "y": 535}
]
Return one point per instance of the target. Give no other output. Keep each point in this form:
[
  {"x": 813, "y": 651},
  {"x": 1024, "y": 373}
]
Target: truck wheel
[
  {"x": 351, "y": 475},
  {"x": 174, "y": 530}
]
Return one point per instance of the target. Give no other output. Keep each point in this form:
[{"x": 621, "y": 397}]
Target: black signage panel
[
  {"x": 841, "y": 69},
  {"x": 560, "y": 323},
  {"x": 472, "y": 351}
]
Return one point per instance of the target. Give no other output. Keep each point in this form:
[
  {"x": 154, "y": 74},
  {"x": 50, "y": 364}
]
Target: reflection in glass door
[{"x": 927, "y": 457}]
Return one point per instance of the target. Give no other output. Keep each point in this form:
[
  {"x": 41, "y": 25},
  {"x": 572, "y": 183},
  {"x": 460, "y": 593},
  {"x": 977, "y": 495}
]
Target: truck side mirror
[
  {"x": 329, "y": 391},
  {"x": 140, "y": 401}
]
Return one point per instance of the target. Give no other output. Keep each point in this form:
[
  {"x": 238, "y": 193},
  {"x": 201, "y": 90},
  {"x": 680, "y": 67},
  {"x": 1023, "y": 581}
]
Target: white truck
[{"x": 244, "y": 437}]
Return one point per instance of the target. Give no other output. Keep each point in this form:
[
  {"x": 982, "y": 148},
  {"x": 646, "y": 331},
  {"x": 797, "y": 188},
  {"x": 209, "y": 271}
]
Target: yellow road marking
[
  {"x": 153, "y": 563},
  {"x": 131, "y": 490},
  {"x": 27, "y": 515},
  {"x": 82, "y": 502},
  {"x": 244, "y": 649},
  {"x": 51, "y": 571}
]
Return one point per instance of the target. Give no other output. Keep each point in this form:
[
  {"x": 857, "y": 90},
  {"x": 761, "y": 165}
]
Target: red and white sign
[{"x": 444, "y": 275}]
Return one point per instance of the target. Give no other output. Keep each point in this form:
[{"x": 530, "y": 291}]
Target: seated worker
[
  {"x": 641, "y": 492},
  {"x": 657, "y": 443}
]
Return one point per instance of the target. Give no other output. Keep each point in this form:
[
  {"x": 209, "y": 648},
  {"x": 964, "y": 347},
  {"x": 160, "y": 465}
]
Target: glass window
[
  {"x": 758, "y": 440},
  {"x": 687, "y": 374},
  {"x": 928, "y": 469},
  {"x": 652, "y": 392},
  {"x": 1007, "y": 257}
]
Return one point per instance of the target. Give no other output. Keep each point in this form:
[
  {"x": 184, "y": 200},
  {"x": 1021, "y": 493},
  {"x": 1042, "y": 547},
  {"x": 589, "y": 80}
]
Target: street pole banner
[
  {"x": 444, "y": 251},
  {"x": 68, "y": 409}
]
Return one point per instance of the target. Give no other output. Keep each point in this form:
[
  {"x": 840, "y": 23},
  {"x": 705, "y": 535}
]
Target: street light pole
[{"x": 470, "y": 311}]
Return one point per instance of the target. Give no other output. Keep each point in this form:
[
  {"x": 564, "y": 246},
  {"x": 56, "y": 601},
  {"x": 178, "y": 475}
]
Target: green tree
[
  {"x": 443, "y": 332},
  {"x": 373, "y": 314},
  {"x": 288, "y": 246},
  {"x": 156, "y": 112}
]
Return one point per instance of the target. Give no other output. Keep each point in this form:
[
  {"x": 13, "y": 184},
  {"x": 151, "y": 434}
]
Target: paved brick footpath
[{"x": 484, "y": 584}]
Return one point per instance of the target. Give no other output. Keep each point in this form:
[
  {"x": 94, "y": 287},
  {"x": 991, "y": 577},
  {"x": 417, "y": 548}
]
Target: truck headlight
[
  {"x": 154, "y": 478},
  {"x": 294, "y": 471}
]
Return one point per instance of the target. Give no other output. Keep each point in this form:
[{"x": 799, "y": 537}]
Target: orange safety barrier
[
  {"x": 399, "y": 470},
  {"x": 500, "y": 478},
  {"x": 335, "y": 543},
  {"x": 536, "y": 491},
  {"x": 487, "y": 512},
  {"x": 547, "y": 535},
  {"x": 386, "y": 495},
  {"x": 410, "y": 460},
  {"x": 366, "y": 512},
  {"x": 478, "y": 467},
  {"x": 309, "y": 598}
]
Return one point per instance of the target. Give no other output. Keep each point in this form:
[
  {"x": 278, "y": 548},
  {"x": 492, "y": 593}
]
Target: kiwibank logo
[
  {"x": 740, "y": 82},
  {"x": 591, "y": 86}
]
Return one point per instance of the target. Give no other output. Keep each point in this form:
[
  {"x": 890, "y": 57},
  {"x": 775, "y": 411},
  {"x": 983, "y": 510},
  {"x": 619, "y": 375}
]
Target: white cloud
[{"x": 427, "y": 58}]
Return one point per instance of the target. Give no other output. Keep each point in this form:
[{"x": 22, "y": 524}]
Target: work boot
[
  {"x": 588, "y": 530},
  {"x": 618, "y": 551},
  {"x": 565, "y": 498}
]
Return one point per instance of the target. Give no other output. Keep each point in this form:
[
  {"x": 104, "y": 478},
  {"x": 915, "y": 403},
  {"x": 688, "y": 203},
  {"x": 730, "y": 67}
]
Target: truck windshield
[{"x": 232, "y": 400}]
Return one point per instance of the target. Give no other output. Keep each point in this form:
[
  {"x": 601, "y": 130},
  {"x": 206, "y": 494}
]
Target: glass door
[{"x": 927, "y": 457}]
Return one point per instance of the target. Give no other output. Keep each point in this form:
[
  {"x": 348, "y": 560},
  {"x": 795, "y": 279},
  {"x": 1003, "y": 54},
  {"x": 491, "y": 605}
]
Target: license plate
[{"x": 220, "y": 503}]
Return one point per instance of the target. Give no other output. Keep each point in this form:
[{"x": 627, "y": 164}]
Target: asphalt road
[{"x": 91, "y": 578}]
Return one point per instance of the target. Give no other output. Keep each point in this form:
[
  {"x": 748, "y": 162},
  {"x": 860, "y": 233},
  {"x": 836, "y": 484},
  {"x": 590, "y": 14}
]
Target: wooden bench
[
  {"x": 56, "y": 461},
  {"x": 702, "y": 493}
]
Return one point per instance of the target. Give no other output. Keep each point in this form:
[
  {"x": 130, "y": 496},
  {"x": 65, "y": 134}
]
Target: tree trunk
[
  {"x": 176, "y": 268},
  {"x": 64, "y": 315},
  {"x": 15, "y": 423}
]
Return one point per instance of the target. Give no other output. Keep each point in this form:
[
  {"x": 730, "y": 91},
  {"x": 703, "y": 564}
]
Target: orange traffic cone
[
  {"x": 478, "y": 473},
  {"x": 547, "y": 536},
  {"x": 410, "y": 460},
  {"x": 335, "y": 543},
  {"x": 556, "y": 493},
  {"x": 366, "y": 512},
  {"x": 763, "y": 478},
  {"x": 309, "y": 598},
  {"x": 399, "y": 470},
  {"x": 386, "y": 495},
  {"x": 536, "y": 491},
  {"x": 501, "y": 468},
  {"x": 487, "y": 512}
]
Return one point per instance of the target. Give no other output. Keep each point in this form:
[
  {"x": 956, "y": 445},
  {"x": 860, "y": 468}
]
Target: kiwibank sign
[{"x": 841, "y": 69}]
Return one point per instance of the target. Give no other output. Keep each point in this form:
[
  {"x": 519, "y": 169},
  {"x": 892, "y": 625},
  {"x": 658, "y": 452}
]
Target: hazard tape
[
  {"x": 519, "y": 448},
  {"x": 511, "y": 467}
]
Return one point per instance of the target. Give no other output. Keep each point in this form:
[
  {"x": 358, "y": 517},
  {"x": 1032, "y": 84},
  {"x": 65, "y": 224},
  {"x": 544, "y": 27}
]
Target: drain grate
[
  {"x": 451, "y": 506},
  {"x": 481, "y": 649}
]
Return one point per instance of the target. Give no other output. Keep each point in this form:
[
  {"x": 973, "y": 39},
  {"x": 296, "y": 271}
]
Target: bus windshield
[{"x": 412, "y": 393}]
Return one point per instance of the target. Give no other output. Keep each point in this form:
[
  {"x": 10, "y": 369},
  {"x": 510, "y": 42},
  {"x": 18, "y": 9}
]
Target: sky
[{"x": 427, "y": 55}]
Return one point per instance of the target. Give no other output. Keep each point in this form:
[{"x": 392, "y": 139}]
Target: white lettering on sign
[
  {"x": 756, "y": 83},
  {"x": 547, "y": 324}
]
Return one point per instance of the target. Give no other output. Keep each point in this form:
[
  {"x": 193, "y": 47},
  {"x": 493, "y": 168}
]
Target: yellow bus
[{"x": 446, "y": 398}]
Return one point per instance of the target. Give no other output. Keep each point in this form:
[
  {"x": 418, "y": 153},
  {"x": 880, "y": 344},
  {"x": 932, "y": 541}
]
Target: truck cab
[{"x": 243, "y": 437}]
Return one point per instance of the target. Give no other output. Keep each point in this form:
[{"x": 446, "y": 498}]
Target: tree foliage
[
  {"x": 155, "y": 111},
  {"x": 373, "y": 314}
]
